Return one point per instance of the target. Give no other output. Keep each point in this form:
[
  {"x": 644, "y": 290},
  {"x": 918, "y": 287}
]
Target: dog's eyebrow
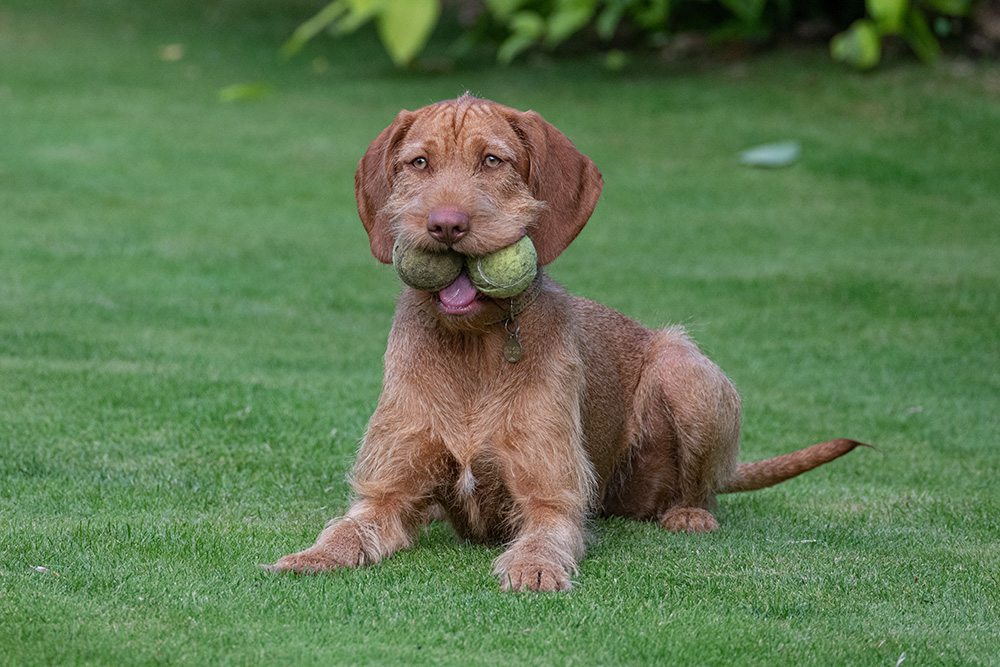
[
  {"x": 426, "y": 146},
  {"x": 482, "y": 144}
]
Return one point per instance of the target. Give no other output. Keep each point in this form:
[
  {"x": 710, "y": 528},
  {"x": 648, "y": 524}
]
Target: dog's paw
[
  {"x": 338, "y": 547},
  {"x": 537, "y": 577},
  {"x": 689, "y": 520},
  {"x": 303, "y": 562}
]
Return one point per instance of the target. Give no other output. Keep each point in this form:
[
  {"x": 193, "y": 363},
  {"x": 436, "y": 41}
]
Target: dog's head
[{"x": 474, "y": 176}]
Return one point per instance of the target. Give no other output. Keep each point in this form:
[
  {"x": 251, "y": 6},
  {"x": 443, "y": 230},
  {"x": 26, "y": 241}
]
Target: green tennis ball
[
  {"x": 506, "y": 272},
  {"x": 426, "y": 270}
]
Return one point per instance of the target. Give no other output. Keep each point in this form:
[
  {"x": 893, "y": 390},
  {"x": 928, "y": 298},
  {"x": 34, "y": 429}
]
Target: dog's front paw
[
  {"x": 338, "y": 546},
  {"x": 689, "y": 520},
  {"x": 303, "y": 562},
  {"x": 533, "y": 575}
]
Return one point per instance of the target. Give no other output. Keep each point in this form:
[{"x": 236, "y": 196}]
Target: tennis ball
[
  {"x": 426, "y": 270},
  {"x": 506, "y": 272}
]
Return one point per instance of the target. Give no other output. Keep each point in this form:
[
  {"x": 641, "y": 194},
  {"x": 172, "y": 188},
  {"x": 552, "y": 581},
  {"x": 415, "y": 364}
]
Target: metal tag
[{"x": 512, "y": 350}]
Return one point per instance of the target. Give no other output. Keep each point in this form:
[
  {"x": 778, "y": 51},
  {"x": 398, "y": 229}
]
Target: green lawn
[{"x": 191, "y": 331}]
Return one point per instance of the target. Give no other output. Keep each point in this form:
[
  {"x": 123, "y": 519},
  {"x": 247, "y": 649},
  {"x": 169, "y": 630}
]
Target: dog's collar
[{"x": 518, "y": 303}]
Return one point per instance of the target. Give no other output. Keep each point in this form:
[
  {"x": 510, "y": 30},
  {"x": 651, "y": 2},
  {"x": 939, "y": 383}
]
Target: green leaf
[
  {"x": 360, "y": 12},
  {"x": 244, "y": 91},
  {"x": 404, "y": 26},
  {"x": 529, "y": 24},
  {"x": 512, "y": 48},
  {"x": 569, "y": 16},
  {"x": 527, "y": 29},
  {"x": 615, "y": 60},
  {"x": 888, "y": 14},
  {"x": 859, "y": 46},
  {"x": 608, "y": 20},
  {"x": 748, "y": 11},
  {"x": 313, "y": 27},
  {"x": 653, "y": 16},
  {"x": 503, "y": 9},
  {"x": 920, "y": 37},
  {"x": 950, "y": 7}
]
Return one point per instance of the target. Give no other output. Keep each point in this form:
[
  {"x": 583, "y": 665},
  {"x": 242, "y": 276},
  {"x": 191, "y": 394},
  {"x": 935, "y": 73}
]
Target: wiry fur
[{"x": 600, "y": 415}]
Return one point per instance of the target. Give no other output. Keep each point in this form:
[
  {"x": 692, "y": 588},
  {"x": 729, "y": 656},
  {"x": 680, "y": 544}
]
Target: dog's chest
[
  {"x": 471, "y": 405},
  {"x": 477, "y": 501},
  {"x": 476, "y": 411}
]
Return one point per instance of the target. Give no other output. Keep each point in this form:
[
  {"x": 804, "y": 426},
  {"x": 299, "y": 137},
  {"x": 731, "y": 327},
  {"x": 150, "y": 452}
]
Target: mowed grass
[{"x": 191, "y": 330}]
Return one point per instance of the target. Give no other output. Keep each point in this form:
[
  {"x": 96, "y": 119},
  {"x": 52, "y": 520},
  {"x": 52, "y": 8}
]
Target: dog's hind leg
[
  {"x": 686, "y": 438},
  {"x": 704, "y": 410}
]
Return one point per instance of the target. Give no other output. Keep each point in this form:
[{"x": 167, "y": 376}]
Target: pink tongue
[{"x": 460, "y": 293}]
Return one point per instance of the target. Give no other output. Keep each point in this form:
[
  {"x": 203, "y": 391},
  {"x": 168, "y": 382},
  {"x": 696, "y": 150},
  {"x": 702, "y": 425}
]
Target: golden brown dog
[{"x": 598, "y": 416}]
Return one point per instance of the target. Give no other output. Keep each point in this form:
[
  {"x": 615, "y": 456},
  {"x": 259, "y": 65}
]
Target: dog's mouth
[{"x": 460, "y": 297}]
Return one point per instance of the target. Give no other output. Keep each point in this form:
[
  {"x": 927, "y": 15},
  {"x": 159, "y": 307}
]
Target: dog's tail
[{"x": 762, "y": 474}]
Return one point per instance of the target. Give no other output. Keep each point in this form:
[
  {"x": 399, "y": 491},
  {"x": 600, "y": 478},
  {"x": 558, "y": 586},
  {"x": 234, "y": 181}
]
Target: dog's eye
[
  {"x": 419, "y": 163},
  {"x": 492, "y": 161}
]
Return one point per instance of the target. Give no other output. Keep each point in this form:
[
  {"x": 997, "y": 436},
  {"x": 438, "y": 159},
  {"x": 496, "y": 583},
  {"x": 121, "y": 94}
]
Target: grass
[{"x": 191, "y": 331}]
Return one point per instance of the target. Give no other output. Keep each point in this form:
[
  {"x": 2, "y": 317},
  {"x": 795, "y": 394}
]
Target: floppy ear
[
  {"x": 372, "y": 185},
  {"x": 561, "y": 176}
]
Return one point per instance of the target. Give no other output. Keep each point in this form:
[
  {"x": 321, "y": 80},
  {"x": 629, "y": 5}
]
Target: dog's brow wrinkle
[
  {"x": 459, "y": 119},
  {"x": 465, "y": 108}
]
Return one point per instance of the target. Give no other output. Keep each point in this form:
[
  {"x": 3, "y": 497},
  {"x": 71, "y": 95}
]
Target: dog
[{"x": 598, "y": 416}]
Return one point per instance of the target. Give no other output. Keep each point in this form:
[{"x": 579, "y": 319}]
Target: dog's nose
[{"x": 447, "y": 224}]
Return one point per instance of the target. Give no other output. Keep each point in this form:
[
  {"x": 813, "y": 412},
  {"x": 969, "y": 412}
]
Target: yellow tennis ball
[
  {"x": 426, "y": 270},
  {"x": 506, "y": 272}
]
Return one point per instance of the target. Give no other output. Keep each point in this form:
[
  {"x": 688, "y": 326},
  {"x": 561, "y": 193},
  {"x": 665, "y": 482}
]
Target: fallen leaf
[
  {"x": 244, "y": 91},
  {"x": 171, "y": 53},
  {"x": 779, "y": 154}
]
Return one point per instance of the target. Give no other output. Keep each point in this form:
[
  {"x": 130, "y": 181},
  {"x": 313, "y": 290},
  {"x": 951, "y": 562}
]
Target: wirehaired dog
[{"x": 597, "y": 416}]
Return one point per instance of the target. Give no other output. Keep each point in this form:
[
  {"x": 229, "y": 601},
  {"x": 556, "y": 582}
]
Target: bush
[
  {"x": 861, "y": 44},
  {"x": 405, "y": 26}
]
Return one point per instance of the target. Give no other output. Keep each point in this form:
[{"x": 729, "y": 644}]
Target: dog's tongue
[{"x": 459, "y": 294}]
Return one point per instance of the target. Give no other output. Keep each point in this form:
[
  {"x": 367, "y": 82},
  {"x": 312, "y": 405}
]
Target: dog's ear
[
  {"x": 561, "y": 176},
  {"x": 372, "y": 185}
]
